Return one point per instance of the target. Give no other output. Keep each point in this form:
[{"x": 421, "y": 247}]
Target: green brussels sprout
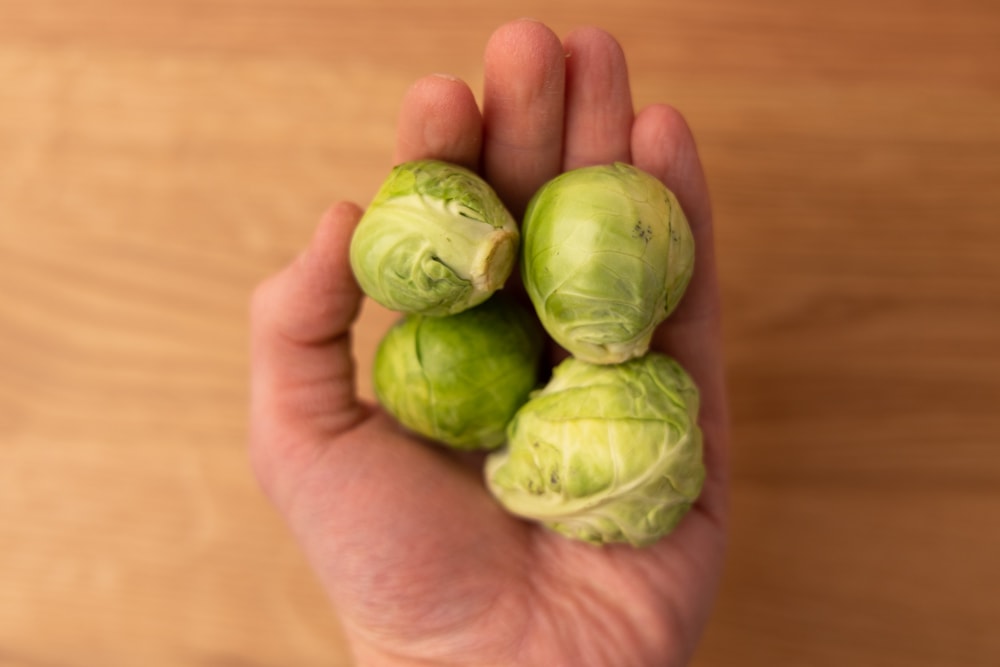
[
  {"x": 459, "y": 379},
  {"x": 435, "y": 240},
  {"x": 604, "y": 453},
  {"x": 606, "y": 255}
]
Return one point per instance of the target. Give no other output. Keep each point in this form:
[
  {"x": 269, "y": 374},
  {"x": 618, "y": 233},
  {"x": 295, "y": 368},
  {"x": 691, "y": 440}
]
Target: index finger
[{"x": 439, "y": 119}]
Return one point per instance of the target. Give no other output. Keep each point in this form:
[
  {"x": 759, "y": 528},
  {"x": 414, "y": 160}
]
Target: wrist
[{"x": 365, "y": 657}]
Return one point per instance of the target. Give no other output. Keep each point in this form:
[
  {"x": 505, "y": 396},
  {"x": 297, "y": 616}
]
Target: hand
[{"x": 422, "y": 565}]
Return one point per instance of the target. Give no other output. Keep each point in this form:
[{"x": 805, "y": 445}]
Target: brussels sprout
[
  {"x": 435, "y": 240},
  {"x": 604, "y": 453},
  {"x": 459, "y": 379},
  {"x": 607, "y": 254}
]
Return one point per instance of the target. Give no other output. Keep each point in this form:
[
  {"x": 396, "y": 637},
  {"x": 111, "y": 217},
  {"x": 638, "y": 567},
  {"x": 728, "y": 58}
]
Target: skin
[{"x": 423, "y": 567}]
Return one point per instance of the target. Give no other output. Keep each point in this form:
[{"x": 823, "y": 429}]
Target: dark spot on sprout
[
  {"x": 675, "y": 235},
  {"x": 641, "y": 231},
  {"x": 554, "y": 478}
]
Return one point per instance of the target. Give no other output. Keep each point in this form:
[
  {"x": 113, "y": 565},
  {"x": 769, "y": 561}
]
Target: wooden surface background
[{"x": 159, "y": 157}]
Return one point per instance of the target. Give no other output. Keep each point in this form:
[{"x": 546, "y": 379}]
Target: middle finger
[{"x": 522, "y": 110}]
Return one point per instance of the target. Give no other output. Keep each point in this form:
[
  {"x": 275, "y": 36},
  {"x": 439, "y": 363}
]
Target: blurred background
[{"x": 160, "y": 157}]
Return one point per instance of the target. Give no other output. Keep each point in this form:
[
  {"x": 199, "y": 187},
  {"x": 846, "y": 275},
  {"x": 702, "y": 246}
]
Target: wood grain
[{"x": 158, "y": 158}]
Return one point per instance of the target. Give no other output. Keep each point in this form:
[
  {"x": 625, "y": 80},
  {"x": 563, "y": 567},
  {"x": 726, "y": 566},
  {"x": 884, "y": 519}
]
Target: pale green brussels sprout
[
  {"x": 604, "y": 453},
  {"x": 606, "y": 255},
  {"x": 435, "y": 240},
  {"x": 459, "y": 379}
]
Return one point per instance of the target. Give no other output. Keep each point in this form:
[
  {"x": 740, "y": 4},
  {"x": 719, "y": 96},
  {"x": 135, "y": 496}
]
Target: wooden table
[{"x": 159, "y": 157}]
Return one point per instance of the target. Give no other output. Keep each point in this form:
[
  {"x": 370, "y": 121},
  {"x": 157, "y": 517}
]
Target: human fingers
[
  {"x": 439, "y": 119},
  {"x": 302, "y": 373},
  {"x": 524, "y": 77},
  {"x": 663, "y": 145},
  {"x": 598, "y": 103}
]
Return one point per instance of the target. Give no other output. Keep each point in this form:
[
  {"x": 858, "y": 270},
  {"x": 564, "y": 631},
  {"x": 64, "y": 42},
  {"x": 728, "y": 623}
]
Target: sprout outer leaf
[
  {"x": 607, "y": 254},
  {"x": 460, "y": 379},
  {"x": 435, "y": 240},
  {"x": 604, "y": 453}
]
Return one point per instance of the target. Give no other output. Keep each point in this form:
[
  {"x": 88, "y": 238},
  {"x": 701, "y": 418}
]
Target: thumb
[{"x": 302, "y": 372}]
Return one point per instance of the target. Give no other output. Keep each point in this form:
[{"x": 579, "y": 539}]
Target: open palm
[{"x": 420, "y": 562}]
